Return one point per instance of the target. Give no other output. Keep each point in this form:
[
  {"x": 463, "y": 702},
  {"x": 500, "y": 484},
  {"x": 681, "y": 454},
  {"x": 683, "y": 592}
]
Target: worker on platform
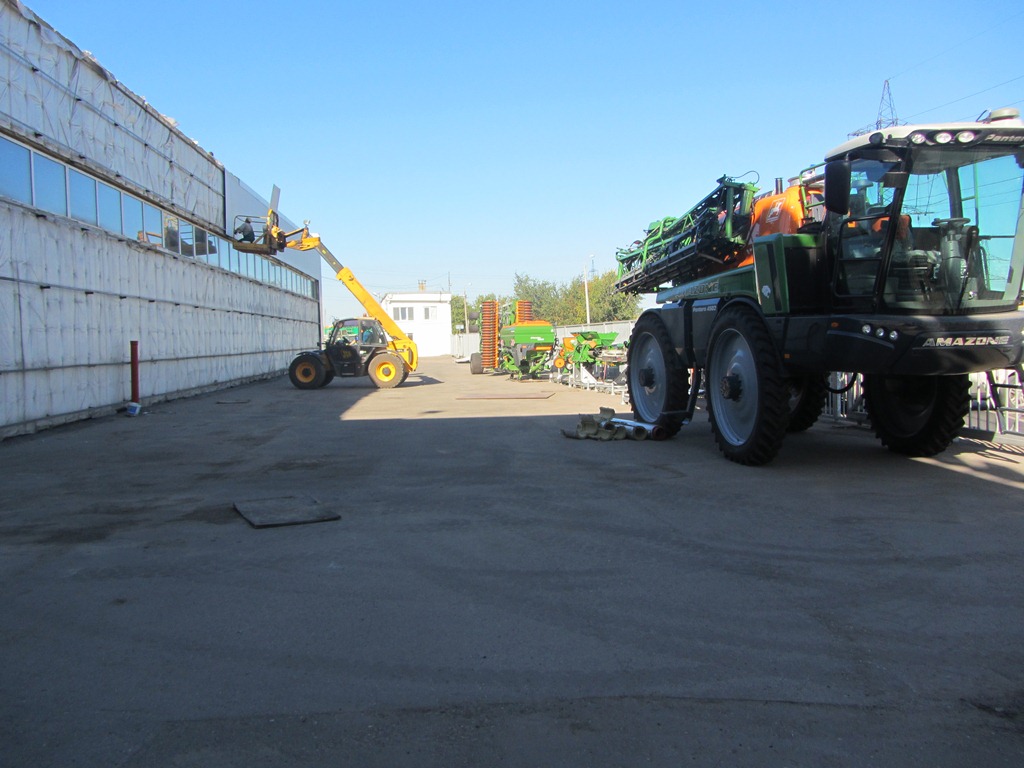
[{"x": 245, "y": 230}]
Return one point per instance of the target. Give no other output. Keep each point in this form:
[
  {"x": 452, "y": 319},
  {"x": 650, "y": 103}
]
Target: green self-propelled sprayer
[{"x": 899, "y": 259}]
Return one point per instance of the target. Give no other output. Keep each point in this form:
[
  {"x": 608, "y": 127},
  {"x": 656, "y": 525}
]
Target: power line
[
  {"x": 958, "y": 47},
  {"x": 971, "y": 96}
]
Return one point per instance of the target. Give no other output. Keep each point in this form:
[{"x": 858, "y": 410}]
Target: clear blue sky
[{"x": 461, "y": 143}]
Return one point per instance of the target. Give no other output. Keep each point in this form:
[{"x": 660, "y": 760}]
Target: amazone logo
[{"x": 967, "y": 341}]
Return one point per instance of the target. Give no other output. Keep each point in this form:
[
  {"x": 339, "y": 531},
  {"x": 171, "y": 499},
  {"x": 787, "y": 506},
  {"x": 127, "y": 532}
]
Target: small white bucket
[{"x": 133, "y": 409}]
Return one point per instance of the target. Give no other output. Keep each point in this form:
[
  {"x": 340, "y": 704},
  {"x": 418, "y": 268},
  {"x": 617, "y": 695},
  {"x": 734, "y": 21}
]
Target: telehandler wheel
[
  {"x": 386, "y": 370},
  {"x": 807, "y": 395},
  {"x": 748, "y": 401},
  {"x": 307, "y": 372},
  {"x": 328, "y": 377},
  {"x": 917, "y": 415},
  {"x": 476, "y": 363},
  {"x": 657, "y": 379}
]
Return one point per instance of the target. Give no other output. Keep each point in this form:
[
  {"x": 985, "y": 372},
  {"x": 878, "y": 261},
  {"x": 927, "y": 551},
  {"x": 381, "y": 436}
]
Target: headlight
[
  {"x": 966, "y": 137},
  {"x": 918, "y": 138},
  {"x": 943, "y": 137}
]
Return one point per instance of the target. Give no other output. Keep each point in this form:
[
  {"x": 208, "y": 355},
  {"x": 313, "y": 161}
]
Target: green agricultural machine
[
  {"x": 899, "y": 260},
  {"x": 584, "y": 348},
  {"x": 513, "y": 342}
]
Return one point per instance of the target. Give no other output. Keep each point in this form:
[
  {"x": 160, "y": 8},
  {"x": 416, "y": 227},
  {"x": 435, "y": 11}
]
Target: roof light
[
  {"x": 966, "y": 137},
  {"x": 876, "y": 138},
  {"x": 918, "y": 138},
  {"x": 943, "y": 137}
]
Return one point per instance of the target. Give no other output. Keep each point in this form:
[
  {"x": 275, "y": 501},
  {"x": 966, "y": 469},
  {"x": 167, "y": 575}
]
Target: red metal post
[{"x": 135, "y": 371}]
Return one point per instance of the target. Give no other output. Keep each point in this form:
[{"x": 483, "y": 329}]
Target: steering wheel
[{"x": 957, "y": 221}]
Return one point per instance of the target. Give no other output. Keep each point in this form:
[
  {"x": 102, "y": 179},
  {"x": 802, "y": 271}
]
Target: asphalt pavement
[{"x": 493, "y": 593}]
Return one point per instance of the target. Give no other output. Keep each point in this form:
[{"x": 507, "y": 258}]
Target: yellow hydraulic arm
[{"x": 399, "y": 342}]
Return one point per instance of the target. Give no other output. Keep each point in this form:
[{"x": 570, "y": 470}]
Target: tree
[
  {"x": 607, "y": 304},
  {"x": 563, "y": 304},
  {"x": 545, "y": 296}
]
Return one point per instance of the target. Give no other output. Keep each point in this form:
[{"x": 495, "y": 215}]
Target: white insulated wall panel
[
  {"x": 80, "y": 110},
  {"x": 73, "y": 297}
]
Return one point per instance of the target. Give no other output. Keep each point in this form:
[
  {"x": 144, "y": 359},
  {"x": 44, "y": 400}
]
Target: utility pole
[{"x": 586, "y": 289}]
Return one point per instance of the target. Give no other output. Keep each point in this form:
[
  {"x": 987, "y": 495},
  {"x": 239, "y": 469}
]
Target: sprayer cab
[{"x": 925, "y": 218}]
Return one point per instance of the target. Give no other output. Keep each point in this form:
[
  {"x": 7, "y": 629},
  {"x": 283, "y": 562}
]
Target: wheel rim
[
  {"x": 386, "y": 371},
  {"x": 649, "y": 378},
  {"x": 733, "y": 387},
  {"x": 305, "y": 373}
]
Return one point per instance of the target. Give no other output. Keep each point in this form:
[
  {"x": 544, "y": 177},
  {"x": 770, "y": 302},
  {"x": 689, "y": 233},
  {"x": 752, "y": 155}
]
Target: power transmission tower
[
  {"x": 886, "y": 109},
  {"x": 886, "y": 114}
]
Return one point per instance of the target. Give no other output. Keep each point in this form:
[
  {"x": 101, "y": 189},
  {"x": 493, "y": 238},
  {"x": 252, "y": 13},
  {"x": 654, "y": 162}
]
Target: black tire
[
  {"x": 328, "y": 377},
  {"x": 385, "y": 370},
  {"x": 807, "y": 396},
  {"x": 917, "y": 415},
  {"x": 658, "y": 382},
  {"x": 307, "y": 372},
  {"x": 748, "y": 401},
  {"x": 476, "y": 363}
]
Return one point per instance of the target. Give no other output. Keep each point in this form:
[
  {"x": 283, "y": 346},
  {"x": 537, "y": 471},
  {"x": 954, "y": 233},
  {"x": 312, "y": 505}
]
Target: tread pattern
[
  {"x": 772, "y": 410},
  {"x": 943, "y": 401}
]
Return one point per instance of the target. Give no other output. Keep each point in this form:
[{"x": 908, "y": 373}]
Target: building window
[
  {"x": 83, "y": 196},
  {"x": 110, "y": 208},
  {"x": 171, "y": 233},
  {"x": 50, "y": 185},
  {"x": 133, "y": 227},
  {"x": 35, "y": 179},
  {"x": 153, "y": 225},
  {"x": 206, "y": 244},
  {"x": 15, "y": 172},
  {"x": 186, "y": 236},
  {"x": 430, "y": 313},
  {"x": 402, "y": 313}
]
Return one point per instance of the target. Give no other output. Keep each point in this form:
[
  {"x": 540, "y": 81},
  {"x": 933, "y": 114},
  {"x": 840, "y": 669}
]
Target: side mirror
[{"x": 837, "y": 187}]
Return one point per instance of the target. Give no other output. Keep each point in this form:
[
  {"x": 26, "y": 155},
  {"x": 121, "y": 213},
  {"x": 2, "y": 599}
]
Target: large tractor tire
[
  {"x": 748, "y": 400},
  {"x": 807, "y": 396},
  {"x": 328, "y": 377},
  {"x": 476, "y": 363},
  {"x": 658, "y": 382},
  {"x": 917, "y": 415},
  {"x": 307, "y": 372},
  {"x": 386, "y": 370}
]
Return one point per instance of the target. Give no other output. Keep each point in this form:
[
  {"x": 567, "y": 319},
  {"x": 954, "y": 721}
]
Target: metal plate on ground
[{"x": 284, "y": 510}]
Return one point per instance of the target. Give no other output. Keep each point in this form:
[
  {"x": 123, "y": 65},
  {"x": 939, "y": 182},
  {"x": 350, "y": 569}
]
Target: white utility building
[
  {"x": 426, "y": 317},
  {"x": 117, "y": 227}
]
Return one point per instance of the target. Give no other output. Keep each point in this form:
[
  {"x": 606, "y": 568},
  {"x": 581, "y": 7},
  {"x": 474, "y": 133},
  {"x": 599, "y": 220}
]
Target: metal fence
[{"x": 997, "y": 401}]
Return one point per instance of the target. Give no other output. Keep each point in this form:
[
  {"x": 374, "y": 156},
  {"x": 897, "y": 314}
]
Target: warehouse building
[{"x": 117, "y": 228}]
